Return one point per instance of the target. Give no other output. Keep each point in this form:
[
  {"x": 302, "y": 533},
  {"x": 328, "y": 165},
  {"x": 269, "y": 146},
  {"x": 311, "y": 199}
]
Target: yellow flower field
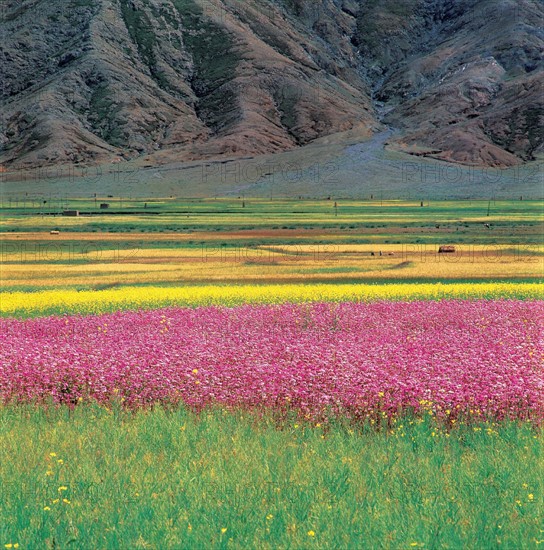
[
  {"x": 27, "y": 304},
  {"x": 60, "y": 266}
]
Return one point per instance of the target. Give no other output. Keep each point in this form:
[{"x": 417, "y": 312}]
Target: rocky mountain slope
[
  {"x": 92, "y": 81},
  {"x": 463, "y": 78}
]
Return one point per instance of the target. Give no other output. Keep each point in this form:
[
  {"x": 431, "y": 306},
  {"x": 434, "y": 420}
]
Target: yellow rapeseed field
[
  {"x": 46, "y": 302},
  {"x": 266, "y": 265}
]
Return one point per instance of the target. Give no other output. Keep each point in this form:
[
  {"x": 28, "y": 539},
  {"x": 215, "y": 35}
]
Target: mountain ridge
[{"x": 94, "y": 81}]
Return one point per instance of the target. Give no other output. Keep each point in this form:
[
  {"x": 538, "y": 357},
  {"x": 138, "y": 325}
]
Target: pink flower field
[{"x": 447, "y": 358}]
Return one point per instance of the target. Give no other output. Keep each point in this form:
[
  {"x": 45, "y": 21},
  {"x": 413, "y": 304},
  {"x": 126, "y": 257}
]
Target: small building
[
  {"x": 446, "y": 249},
  {"x": 104, "y": 205},
  {"x": 73, "y": 213},
  {"x": 54, "y": 232}
]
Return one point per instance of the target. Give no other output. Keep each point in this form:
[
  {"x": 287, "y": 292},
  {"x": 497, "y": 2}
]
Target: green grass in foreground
[{"x": 95, "y": 478}]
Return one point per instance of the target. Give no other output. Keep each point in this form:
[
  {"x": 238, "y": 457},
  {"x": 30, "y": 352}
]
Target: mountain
[
  {"x": 462, "y": 78},
  {"x": 96, "y": 81}
]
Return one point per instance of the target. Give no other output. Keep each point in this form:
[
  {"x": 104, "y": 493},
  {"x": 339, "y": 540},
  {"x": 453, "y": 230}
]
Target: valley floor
[{"x": 271, "y": 374}]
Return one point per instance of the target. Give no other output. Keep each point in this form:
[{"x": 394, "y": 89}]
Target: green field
[
  {"x": 92, "y": 478},
  {"x": 350, "y": 221},
  {"x": 172, "y": 242}
]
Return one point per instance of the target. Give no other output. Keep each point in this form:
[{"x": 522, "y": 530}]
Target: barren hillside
[{"x": 93, "y": 81}]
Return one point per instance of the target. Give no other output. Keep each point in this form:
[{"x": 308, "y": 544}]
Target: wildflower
[
  {"x": 46, "y": 508},
  {"x": 66, "y": 501},
  {"x": 238, "y": 377},
  {"x": 530, "y": 496},
  {"x": 311, "y": 533},
  {"x": 223, "y": 530},
  {"x": 62, "y": 488},
  {"x": 52, "y": 454},
  {"x": 269, "y": 517}
]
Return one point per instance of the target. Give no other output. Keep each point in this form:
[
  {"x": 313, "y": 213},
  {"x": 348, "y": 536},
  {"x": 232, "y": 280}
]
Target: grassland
[
  {"x": 101, "y": 477},
  {"x": 172, "y": 242},
  {"x": 362, "y": 221},
  {"x": 97, "y": 478}
]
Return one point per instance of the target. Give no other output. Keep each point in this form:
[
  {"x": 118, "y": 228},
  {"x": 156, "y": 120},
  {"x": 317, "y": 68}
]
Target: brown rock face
[
  {"x": 463, "y": 79},
  {"x": 89, "y": 81}
]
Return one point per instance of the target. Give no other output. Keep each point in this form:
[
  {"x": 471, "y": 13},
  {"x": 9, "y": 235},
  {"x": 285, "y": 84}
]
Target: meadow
[
  {"x": 232, "y": 373},
  {"x": 360, "y": 219},
  {"x": 92, "y": 477},
  {"x": 268, "y": 242}
]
